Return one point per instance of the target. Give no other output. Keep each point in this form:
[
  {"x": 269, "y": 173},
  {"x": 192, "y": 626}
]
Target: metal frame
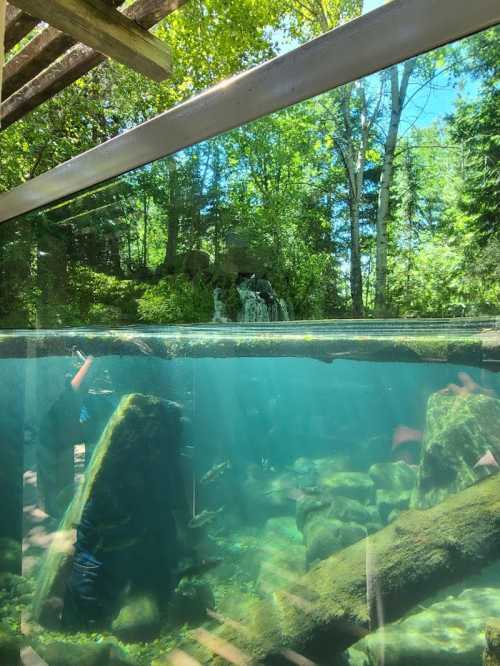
[{"x": 395, "y": 32}]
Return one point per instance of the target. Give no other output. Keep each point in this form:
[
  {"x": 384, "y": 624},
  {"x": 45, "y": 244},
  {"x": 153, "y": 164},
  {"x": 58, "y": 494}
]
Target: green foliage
[
  {"x": 275, "y": 195},
  {"x": 176, "y": 300}
]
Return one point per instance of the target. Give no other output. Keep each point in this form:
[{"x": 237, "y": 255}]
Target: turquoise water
[{"x": 194, "y": 492}]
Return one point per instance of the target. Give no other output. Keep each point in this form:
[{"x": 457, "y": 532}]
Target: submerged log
[
  {"x": 319, "y": 340},
  {"x": 385, "y": 575}
]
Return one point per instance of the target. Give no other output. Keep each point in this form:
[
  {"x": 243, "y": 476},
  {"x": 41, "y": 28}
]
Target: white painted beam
[{"x": 397, "y": 31}]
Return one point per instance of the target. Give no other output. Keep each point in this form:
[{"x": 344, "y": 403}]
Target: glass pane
[{"x": 309, "y": 474}]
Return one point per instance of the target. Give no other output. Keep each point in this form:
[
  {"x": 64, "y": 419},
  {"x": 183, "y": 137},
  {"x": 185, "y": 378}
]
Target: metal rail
[{"x": 395, "y": 32}]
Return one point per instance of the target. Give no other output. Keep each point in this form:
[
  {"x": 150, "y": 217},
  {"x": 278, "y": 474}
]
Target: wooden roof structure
[{"x": 71, "y": 37}]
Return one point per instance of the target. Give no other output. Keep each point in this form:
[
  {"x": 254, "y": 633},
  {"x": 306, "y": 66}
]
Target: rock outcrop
[
  {"x": 125, "y": 515},
  {"x": 460, "y": 429}
]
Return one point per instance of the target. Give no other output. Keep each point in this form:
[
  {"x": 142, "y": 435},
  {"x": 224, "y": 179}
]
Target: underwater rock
[
  {"x": 328, "y": 466},
  {"x": 418, "y": 554},
  {"x": 10, "y": 556},
  {"x": 308, "y": 505},
  {"x": 397, "y": 477},
  {"x": 491, "y": 655},
  {"x": 350, "y": 510},
  {"x": 389, "y": 501},
  {"x": 85, "y": 652},
  {"x": 324, "y": 536},
  {"x": 132, "y": 480},
  {"x": 355, "y": 485},
  {"x": 281, "y": 556},
  {"x": 265, "y": 495},
  {"x": 138, "y": 620},
  {"x": 190, "y": 601},
  {"x": 448, "y": 633},
  {"x": 460, "y": 430},
  {"x": 282, "y": 529}
]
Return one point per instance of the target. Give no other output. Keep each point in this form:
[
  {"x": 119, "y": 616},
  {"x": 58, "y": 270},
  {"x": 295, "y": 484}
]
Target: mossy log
[
  {"x": 324, "y": 341},
  {"x": 492, "y": 652},
  {"x": 387, "y": 574}
]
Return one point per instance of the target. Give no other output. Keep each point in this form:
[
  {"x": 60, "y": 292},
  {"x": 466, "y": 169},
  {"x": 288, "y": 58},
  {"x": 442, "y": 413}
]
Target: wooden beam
[
  {"x": 38, "y": 54},
  {"x": 106, "y": 30},
  {"x": 345, "y": 54},
  {"x": 77, "y": 62},
  {"x": 17, "y": 25}
]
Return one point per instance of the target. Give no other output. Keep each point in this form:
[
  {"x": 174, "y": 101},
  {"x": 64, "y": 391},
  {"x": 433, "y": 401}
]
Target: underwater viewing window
[{"x": 227, "y": 435}]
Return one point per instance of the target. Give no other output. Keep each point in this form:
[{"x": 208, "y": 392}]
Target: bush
[
  {"x": 176, "y": 300},
  {"x": 103, "y": 299}
]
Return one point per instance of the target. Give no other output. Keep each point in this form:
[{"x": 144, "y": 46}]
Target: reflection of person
[{"x": 60, "y": 430}]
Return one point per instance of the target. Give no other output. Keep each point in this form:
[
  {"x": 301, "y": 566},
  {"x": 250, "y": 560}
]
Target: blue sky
[
  {"x": 368, "y": 5},
  {"x": 440, "y": 103}
]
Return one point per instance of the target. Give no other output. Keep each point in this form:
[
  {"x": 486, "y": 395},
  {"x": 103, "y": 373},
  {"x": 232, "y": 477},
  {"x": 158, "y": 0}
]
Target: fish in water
[
  {"x": 404, "y": 434},
  {"x": 203, "y": 518},
  {"x": 488, "y": 460},
  {"x": 199, "y": 568},
  {"x": 215, "y": 472}
]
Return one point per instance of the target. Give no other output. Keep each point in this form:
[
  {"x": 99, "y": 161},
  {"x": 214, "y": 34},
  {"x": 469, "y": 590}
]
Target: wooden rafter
[
  {"x": 17, "y": 26},
  {"x": 76, "y": 62},
  {"x": 96, "y": 24},
  {"x": 38, "y": 54}
]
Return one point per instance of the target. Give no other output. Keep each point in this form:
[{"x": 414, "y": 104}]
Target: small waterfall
[
  {"x": 259, "y": 303},
  {"x": 253, "y": 307}
]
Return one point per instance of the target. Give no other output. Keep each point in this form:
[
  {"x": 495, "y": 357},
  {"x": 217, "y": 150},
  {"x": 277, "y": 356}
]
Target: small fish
[
  {"x": 404, "y": 434},
  {"x": 488, "y": 460},
  {"x": 188, "y": 451},
  {"x": 203, "y": 518},
  {"x": 215, "y": 471},
  {"x": 199, "y": 568}
]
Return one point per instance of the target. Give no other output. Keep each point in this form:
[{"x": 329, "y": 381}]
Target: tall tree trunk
[
  {"x": 354, "y": 159},
  {"x": 172, "y": 220},
  {"x": 356, "y": 276},
  {"x": 145, "y": 231},
  {"x": 398, "y": 97}
]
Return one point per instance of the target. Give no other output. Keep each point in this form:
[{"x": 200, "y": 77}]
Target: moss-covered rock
[
  {"x": 331, "y": 465},
  {"x": 354, "y": 485},
  {"x": 190, "y": 601},
  {"x": 324, "y": 536},
  {"x": 84, "y": 652},
  {"x": 131, "y": 477},
  {"x": 460, "y": 429},
  {"x": 396, "y": 477},
  {"x": 281, "y": 556},
  {"x": 138, "y": 620},
  {"x": 491, "y": 655},
  {"x": 350, "y": 510},
  {"x": 389, "y": 501},
  {"x": 448, "y": 633},
  {"x": 282, "y": 530}
]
